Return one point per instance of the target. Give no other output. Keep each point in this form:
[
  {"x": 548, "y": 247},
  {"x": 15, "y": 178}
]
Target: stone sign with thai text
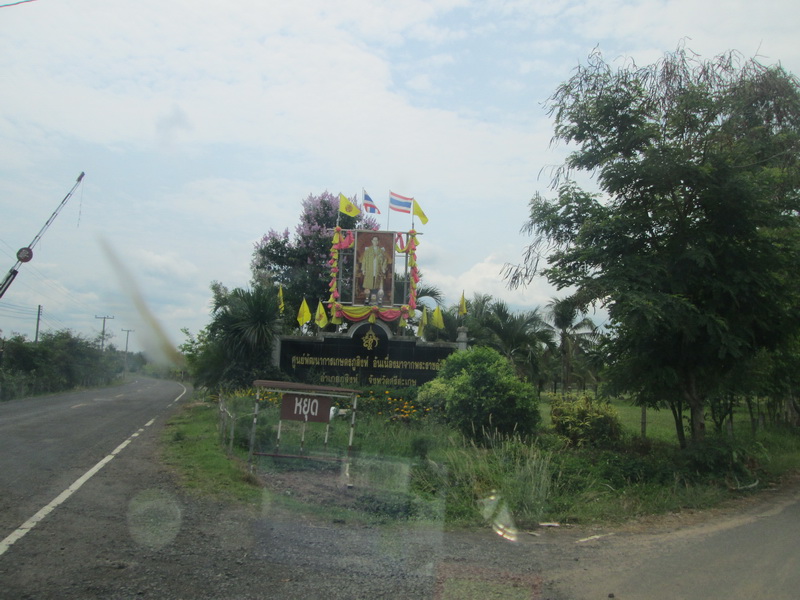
[{"x": 366, "y": 358}]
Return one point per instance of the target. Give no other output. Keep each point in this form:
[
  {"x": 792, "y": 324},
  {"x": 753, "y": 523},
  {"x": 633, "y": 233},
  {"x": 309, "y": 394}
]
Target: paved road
[
  {"x": 743, "y": 553},
  {"x": 49, "y": 442}
]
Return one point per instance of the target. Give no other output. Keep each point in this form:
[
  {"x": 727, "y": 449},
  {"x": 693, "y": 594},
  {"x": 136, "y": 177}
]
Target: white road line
[
  {"x": 20, "y": 532},
  {"x": 178, "y": 398}
]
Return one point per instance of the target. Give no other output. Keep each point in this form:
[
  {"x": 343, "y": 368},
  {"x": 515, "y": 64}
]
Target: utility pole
[
  {"x": 38, "y": 320},
  {"x": 127, "y": 333},
  {"x": 103, "y": 335}
]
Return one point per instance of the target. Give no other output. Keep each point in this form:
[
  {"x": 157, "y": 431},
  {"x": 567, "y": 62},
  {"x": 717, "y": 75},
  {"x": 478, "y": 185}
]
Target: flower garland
[
  {"x": 339, "y": 242},
  {"x": 411, "y": 248}
]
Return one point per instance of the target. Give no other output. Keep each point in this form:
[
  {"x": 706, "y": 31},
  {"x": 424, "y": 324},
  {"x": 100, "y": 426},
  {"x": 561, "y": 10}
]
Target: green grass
[{"x": 191, "y": 446}]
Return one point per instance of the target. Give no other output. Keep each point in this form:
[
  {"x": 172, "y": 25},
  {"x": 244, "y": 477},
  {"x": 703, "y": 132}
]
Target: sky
[{"x": 202, "y": 125}]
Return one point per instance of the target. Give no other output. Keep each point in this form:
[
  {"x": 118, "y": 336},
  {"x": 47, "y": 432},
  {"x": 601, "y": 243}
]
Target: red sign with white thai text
[{"x": 306, "y": 407}]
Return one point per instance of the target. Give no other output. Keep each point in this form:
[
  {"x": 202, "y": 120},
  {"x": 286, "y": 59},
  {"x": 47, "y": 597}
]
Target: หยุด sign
[{"x": 306, "y": 407}]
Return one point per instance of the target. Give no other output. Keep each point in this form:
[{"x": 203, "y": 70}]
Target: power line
[
  {"x": 15, "y": 3},
  {"x": 16, "y": 310}
]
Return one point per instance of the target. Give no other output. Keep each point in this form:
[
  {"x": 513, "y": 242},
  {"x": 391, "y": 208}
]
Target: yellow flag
[
  {"x": 348, "y": 207},
  {"x": 438, "y": 320},
  {"x": 304, "y": 314},
  {"x": 321, "y": 318},
  {"x": 418, "y": 212},
  {"x": 423, "y": 321},
  {"x": 462, "y": 306},
  {"x": 281, "y": 304}
]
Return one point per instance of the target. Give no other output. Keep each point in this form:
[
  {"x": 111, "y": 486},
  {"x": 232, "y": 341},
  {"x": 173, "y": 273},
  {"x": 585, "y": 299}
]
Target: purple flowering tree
[{"x": 300, "y": 262}]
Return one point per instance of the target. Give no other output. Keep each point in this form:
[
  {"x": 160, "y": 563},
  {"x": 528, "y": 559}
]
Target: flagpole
[{"x": 389, "y": 212}]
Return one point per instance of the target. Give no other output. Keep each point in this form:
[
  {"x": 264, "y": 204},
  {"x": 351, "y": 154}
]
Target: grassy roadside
[
  {"x": 417, "y": 469},
  {"x": 191, "y": 446}
]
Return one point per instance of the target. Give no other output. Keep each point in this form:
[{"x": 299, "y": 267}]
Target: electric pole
[
  {"x": 103, "y": 335},
  {"x": 38, "y": 320},
  {"x": 127, "y": 333}
]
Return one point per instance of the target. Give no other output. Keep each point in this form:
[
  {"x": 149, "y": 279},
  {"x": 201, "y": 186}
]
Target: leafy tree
[
  {"x": 693, "y": 246},
  {"x": 299, "y": 263}
]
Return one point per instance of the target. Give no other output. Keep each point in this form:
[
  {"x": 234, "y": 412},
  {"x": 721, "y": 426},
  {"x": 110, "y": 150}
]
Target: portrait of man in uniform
[{"x": 374, "y": 272}]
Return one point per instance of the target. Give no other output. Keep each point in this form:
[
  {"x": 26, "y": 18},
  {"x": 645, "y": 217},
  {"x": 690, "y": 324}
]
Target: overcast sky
[{"x": 203, "y": 125}]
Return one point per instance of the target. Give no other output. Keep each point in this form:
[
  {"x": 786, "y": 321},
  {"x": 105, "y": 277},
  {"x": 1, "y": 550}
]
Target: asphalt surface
[{"x": 48, "y": 442}]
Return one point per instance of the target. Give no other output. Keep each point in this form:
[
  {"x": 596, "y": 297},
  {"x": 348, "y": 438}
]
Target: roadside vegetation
[
  {"x": 664, "y": 377},
  {"x": 60, "y": 361},
  {"x": 589, "y": 466}
]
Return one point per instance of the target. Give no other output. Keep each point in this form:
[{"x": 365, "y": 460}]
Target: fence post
[
  {"x": 253, "y": 430},
  {"x": 221, "y": 422},
  {"x": 232, "y": 417},
  {"x": 350, "y": 443}
]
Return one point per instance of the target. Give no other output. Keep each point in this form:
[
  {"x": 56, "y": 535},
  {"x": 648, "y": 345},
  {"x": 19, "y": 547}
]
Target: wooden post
[
  {"x": 221, "y": 424},
  {"x": 253, "y": 429},
  {"x": 232, "y": 417}
]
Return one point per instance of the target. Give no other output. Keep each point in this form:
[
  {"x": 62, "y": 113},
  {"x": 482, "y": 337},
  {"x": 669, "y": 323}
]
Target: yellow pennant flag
[
  {"x": 418, "y": 212},
  {"x": 304, "y": 314},
  {"x": 438, "y": 320},
  {"x": 281, "y": 304},
  {"x": 462, "y": 306},
  {"x": 321, "y": 318},
  {"x": 423, "y": 321},
  {"x": 348, "y": 207}
]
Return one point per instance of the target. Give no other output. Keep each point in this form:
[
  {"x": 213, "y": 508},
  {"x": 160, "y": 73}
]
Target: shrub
[
  {"x": 584, "y": 422},
  {"x": 484, "y": 395},
  {"x": 721, "y": 457},
  {"x": 432, "y": 397}
]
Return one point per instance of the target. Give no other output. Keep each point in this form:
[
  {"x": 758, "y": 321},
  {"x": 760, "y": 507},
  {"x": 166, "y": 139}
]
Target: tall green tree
[{"x": 692, "y": 244}]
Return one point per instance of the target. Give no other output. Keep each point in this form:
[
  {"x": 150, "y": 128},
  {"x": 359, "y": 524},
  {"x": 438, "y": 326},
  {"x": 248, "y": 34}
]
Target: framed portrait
[{"x": 373, "y": 281}]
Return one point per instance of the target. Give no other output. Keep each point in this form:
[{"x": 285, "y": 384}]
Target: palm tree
[
  {"x": 241, "y": 333},
  {"x": 572, "y": 333},
  {"x": 479, "y": 312},
  {"x": 521, "y": 337}
]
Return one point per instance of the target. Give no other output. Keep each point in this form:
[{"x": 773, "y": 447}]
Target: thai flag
[
  {"x": 400, "y": 203},
  {"x": 369, "y": 205}
]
